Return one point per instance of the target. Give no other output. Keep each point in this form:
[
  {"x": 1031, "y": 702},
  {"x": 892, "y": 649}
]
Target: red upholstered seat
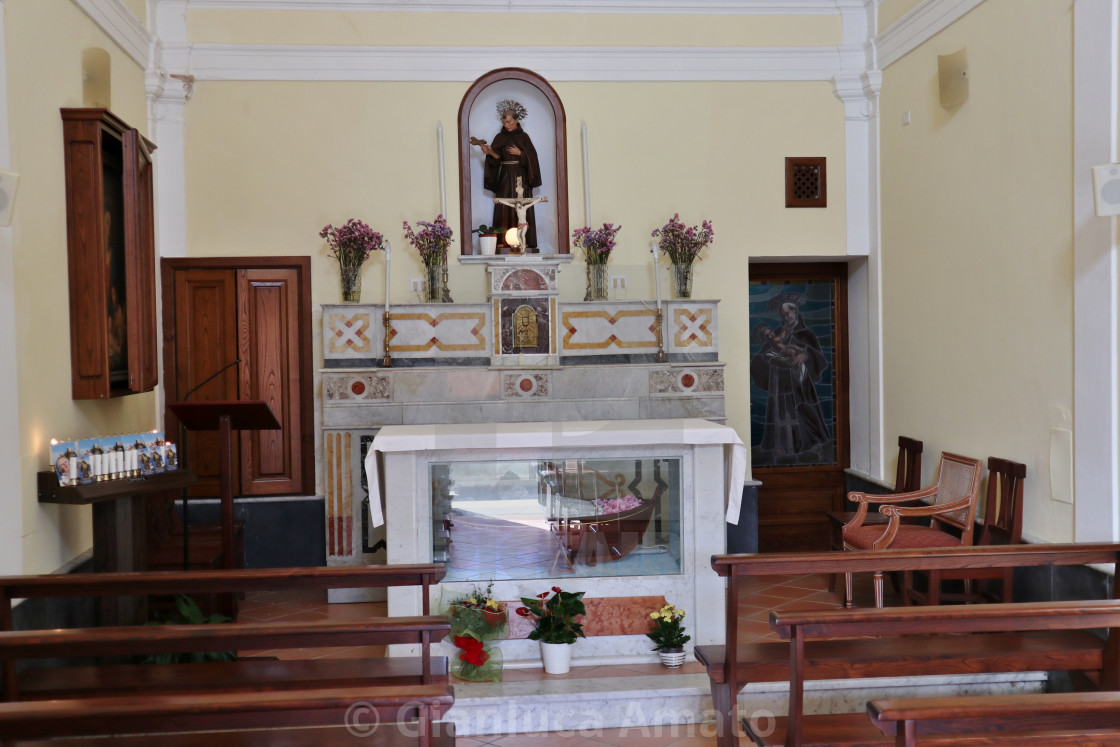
[{"x": 953, "y": 504}]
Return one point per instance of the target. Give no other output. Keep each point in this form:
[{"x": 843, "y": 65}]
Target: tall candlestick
[
  {"x": 442, "y": 178},
  {"x": 586, "y": 182},
  {"x": 388, "y": 253},
  {"x": 656, "y": 271}
]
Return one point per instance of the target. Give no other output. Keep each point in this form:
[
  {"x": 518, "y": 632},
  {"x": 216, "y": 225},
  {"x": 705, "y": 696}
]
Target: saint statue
[{"x": 510, "y": 158}]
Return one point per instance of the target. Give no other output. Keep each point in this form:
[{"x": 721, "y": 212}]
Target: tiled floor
[{"x": 762, "y": 595}]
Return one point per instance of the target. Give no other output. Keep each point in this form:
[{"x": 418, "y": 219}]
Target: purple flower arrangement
[
  {"x": 431, "y": 241},
  {"x": 618, "y": 504},
  {"x": 683, "y": 243},
  {"x": 597, "y": 244},
  {"x": 352, "y": 243}
]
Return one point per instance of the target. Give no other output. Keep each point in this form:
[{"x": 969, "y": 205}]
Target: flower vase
[
  {"x": 682, "y": 280},
  {"x": 350, "y": 278},
  {"x": 596, "y": 283},
  {"x": 671, "y": 657},
  {"x": 435, "y": 286},
  {"x": 557, "y": 657}
]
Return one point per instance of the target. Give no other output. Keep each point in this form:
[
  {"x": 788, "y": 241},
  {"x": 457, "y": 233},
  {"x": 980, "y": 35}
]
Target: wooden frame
[
  {"x": 556, "y": 191},
  {"x": 110, "y": 237}
]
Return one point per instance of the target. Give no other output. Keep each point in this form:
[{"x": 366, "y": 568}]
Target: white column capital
[{"x": 859, "y": 93}]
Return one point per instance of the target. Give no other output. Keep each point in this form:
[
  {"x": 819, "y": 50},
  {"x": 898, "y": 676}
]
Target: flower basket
[{"x": 476, "y": 619}]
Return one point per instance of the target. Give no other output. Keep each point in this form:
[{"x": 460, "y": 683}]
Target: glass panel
[
  {"x": 793, "y": 379},
  {"x": 529, "y": 519}
]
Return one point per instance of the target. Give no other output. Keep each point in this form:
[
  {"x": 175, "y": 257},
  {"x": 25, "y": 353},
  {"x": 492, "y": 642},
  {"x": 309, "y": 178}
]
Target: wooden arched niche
[{"x": 545, "y": 124}]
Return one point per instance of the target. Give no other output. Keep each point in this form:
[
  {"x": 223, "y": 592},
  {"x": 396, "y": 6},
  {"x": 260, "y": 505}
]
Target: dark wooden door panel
[
  {"x": 268, "y": 335},
  {"x": 799, "y": 400},
  {"x": 205, "y": 340}
]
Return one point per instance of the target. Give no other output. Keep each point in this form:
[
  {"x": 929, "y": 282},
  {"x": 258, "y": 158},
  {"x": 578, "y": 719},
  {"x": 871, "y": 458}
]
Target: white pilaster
[
  {"x": 858, "y": 88},
  {"x": 11, "y": 501},
  {"x": 1095, "y": 393},
  {"x": 167, "y": 96}
]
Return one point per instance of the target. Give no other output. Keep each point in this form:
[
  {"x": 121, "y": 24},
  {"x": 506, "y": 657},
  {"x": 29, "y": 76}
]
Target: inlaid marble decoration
[
  {"x": 519, "y": 385},
  {"x": 344, "y": 387},
  {"x": 340, "y": 494},
  {"x": 676, "y": 381},
  {"x": 349, "y": 332},
  {"x": 603, "y": 329},
  {"x": 530, "y": 277},
  {"x": 692, "y": 328},
  {"x": 454, "y": 332},
  {"x": 605, "y": 616}
]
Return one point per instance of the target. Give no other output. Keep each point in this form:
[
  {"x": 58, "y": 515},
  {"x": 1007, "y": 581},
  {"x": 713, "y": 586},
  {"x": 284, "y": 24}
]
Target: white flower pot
[
  {"x": 488, "y": 244},
  {"x": 557, "y": 657},
  {"x": 673, "y": 658}
]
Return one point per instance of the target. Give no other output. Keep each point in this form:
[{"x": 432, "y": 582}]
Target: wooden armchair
[
  {"x": 1002, "y": 525},
  {"x": 954, "y": 497}
]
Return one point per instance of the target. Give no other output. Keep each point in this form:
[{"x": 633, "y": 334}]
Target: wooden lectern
[{"x": 225, "y": 417}]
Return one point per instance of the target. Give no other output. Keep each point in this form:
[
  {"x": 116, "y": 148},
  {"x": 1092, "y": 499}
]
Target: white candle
[
  {"x": 586, "y": 182},
  {"x": 72, "y": 470},
  {"x": 163, "y": 453},
  {"x": 388, "y": 253},
  {"x": 656, "y": 271},
  {"x": 95, "y": 464},
  {"x": 442, "y": 178}
]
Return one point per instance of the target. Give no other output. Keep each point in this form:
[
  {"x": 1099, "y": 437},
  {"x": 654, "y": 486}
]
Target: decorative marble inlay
[
  {"x": 340, "y": 495},
  {"x": 599, "y": 329},
  {"x": 605, "y": 616},
  {"x": 692, "y": 328},
  {"x": 525, "y": 385},
  {"x": 524, "y": 280},
  {"x": 513, "y": 314},
  {"x": 675, "y": 381},
  {"x": 451, "y": 331},
  {"x": 348, "y": 332},
  {"x": 346, "y": 387}
]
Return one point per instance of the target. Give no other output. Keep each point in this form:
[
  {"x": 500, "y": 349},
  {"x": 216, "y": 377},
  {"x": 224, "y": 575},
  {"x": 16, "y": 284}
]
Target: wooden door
[
  {"x": 268, "y": 324},
  {"x": 257, "y": 312},
  {"x": 799, "y": 400}
]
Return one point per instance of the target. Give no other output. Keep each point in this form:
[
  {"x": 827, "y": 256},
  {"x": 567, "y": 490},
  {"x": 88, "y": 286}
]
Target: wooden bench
[
  {"x": 382, "y": 716},
  {"x": 249, "y": 674},
  {"x": 953, "y": 640},
  {"x": 735, "y": 664},
  {"x": 1074, "y": 719}
]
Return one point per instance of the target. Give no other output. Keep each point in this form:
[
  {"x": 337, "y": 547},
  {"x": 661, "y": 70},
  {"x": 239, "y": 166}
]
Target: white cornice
[
  {"x": 322, "y": 63},
  {"x": 919, "y": 26},
  {"x": 121, "y": 26},
  {"x": 689, "y": 7}
]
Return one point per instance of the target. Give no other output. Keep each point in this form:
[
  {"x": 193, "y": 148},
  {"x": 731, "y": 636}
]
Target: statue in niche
[
  {"x": 511, "y": 159},
  {"x": 521, "y": 204},
  {"x": 525, "y": 327}
]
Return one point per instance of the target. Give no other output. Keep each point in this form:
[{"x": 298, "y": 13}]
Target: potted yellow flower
[{"x": 668, "y": 635}]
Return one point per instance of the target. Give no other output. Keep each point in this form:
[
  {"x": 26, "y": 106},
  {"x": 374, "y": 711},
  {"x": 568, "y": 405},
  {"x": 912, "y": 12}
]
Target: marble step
[{"x": 652, "y": 702}]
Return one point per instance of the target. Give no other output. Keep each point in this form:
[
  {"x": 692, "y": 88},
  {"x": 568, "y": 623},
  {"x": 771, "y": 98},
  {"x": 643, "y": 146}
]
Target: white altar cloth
[{"x": 693, "y": 431}]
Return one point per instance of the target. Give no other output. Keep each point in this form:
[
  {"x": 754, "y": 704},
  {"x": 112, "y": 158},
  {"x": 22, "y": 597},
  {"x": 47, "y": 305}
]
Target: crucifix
[{"x": 521, "y": 204}]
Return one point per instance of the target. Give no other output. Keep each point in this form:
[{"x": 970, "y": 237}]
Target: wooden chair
[
  {"x": 1002, "y": 525},
  {"x": 907, "y": 478},
  {"x": 954, "y": 497}
]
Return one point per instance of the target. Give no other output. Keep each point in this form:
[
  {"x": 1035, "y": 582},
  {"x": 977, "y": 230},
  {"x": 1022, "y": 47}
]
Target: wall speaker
[
  {"x": 1106, "y": 188},
  {"x": 952, "y": 78},
  {"x": 9, "y": 181}
]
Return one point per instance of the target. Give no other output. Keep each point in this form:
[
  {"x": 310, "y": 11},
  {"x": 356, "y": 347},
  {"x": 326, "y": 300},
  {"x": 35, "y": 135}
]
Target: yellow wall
[
  {"x": 891, "y": 10},
  {"x": 518, "y": 29},
  {"x": 977, "y": 247},
  {"x": 44, "y": 43}
]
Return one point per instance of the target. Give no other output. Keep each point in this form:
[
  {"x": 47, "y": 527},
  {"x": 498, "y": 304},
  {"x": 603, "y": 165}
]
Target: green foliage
[
  {"x": 188, "y": 613},
  {"x": 555, "y": 613},
  {"x": 486, "y": 230}
]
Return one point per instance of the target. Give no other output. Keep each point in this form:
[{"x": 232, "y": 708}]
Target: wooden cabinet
[{"x": 110, "y": 235}]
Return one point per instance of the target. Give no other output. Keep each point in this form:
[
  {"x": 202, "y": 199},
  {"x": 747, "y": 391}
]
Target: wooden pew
[
  {"x": 41, "y": 683},
  {"x": 930, "y": 640},
  {"x": 1056, "y": 719},
  {"x": 383, "y": 716},
  {"x": 734, "y": 664}
]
